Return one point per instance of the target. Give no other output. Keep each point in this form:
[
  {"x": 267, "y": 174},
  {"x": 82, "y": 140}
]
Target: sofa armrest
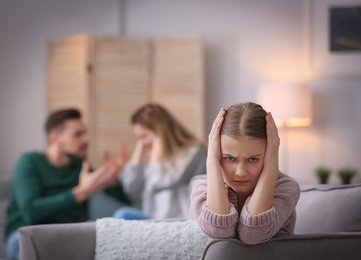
[
  {"x": 309, "y": 246},
  {"x": 58, "y": 241}
]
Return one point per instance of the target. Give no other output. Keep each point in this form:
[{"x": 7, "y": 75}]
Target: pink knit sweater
[{"x": 250, "y": 229}]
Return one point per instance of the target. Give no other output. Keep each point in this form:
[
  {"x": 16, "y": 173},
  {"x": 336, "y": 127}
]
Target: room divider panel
[{"x": 107, "y": 78}]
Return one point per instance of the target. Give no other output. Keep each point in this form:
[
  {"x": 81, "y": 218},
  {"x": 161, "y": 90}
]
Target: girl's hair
[
  {"x": 245, "y": 119},
  {"x": 174, "y": 135}
]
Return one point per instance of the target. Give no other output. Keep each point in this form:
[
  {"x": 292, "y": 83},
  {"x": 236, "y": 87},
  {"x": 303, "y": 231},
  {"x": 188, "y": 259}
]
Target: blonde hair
[
  {"x": 174, "y": 136},
  {"x": 245, "y": 119}
]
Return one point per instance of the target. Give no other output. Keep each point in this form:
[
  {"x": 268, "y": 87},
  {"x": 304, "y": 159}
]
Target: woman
[
  {"x": 245, "y": 195},
  {"x": 165, "y": 158}
]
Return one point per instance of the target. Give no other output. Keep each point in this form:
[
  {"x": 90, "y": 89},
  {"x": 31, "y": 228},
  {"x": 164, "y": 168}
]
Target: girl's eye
[
  {"x": 229, "y": 158},
  {"x": 253, "y": 159}
]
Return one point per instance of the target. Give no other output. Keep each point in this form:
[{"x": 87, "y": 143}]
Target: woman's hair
[
  {"x": 245, "y": 119},
  {"x": 174, "y": 135}
]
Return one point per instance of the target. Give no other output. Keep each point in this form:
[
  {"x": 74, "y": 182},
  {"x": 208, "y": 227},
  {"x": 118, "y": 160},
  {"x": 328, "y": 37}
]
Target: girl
[
  {"x": 165, "y": 158},
  {"x": 245, "y": 195}
]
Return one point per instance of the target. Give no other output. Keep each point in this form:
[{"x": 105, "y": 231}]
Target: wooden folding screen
[{"x": 107, "y": 78}]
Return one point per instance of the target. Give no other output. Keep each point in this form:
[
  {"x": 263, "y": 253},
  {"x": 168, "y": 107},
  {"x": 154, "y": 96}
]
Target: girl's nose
[{"x": 241, "y": 169}]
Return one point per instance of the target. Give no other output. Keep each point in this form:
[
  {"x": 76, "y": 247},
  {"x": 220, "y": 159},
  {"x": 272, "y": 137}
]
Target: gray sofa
[
  {"x": 100, "y": 205},
  {"x": 328, "y": 227}
]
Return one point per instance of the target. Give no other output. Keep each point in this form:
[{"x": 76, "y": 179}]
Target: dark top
[{"x": 42, "y": 193}]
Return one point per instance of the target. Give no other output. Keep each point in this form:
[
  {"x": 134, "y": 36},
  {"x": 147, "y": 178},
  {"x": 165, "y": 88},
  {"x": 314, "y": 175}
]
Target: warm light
[{"x": 289, "y": 105}]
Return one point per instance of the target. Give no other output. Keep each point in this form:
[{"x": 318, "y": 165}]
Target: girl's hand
[
  {"x": 214, "y": 143},
  {"x": 217, "y": 197},
  {"x": 262, "y": 198},
  {"x": 273, "y": 144}
]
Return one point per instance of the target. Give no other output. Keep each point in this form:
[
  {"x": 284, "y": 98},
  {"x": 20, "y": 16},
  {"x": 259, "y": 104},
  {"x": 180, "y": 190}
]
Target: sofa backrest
[
  {"x": 321, "y": 208},
  {"x": 329, "y": 209}
]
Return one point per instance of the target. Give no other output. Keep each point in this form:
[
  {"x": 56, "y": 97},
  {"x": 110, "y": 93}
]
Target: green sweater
[{"x": 42, "y": 193}]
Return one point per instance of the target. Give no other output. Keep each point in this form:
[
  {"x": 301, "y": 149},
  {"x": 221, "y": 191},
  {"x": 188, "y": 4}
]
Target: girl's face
[
  {"x": 242, "y": 162},
  {"x": 143, "y": 134}
]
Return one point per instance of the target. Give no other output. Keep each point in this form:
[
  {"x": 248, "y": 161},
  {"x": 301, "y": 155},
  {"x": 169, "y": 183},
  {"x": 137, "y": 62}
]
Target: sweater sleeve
[
  {"x": 133, "y": 179},
  {"x": 197, "y": 166},
  {"x": 212, "y": 224},
  {"x": 34, "y": 207},
  {"x": 173, "y": 178},
  {"x": 255, "y": 229}
]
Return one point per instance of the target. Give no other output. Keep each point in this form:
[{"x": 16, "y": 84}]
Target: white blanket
[{"x": 124, "y": 239}]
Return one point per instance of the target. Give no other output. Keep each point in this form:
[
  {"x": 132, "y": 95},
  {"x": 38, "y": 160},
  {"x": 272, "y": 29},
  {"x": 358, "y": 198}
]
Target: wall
[
  {"x": 247, "y": 43},
  {"x": 25, "y": 27},
  {"x": 242, "y": 39},
  {"x": 253, "y": 42}
]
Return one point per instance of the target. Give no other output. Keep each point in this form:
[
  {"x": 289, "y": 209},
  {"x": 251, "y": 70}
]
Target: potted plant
[
  {"x": 346, "y": 175},
  {"x": 322, "y": 173}
]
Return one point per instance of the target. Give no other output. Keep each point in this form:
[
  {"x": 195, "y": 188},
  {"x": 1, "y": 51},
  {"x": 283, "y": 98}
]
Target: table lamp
[{"x": 290, "y": 105}]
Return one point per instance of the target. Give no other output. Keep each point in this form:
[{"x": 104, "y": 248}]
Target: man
[{"x": 53, "y": 186}]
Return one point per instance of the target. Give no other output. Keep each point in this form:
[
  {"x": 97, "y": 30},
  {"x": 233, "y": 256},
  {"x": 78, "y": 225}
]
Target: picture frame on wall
[
  {"x": 335, "y": 38},
  {"x": 345, "y": 29}
]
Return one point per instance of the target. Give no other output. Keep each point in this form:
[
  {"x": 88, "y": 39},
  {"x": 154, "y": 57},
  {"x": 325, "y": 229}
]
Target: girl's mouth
[{"x": 241, "y": 181}]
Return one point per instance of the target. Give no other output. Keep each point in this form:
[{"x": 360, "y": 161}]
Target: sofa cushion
[{"x": 328, "y": 209}]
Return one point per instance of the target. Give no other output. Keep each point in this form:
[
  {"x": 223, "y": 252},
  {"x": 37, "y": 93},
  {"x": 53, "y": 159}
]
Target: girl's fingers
[
  {"x": 272, "y": 131},
  {"x": 219, "y": 119},
  {"x": 219, "y": 116},
  {"x": 273, "y": 121}
]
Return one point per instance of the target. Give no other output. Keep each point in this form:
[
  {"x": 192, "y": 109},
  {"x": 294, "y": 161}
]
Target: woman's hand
[
  {"x": 217, "y": 197},
  {"x": 156, "y": 153},
  {"x": 115, "y": 164},
  {"x": 138, "y": 153}
]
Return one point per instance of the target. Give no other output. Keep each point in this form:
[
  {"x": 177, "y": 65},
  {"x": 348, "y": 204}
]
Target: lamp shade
[{"x": 290, "y": 105}]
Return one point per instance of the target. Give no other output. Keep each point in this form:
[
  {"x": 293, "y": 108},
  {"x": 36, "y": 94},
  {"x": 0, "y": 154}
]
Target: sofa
[
  {"x": 328, "y": 226},
  {"x": 100, "y": 205}
]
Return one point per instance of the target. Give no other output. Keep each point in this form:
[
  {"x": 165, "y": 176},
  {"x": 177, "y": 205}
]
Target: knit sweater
[
  {"x": 42, "y": 193},
  {"x": 164, "y": 187},
  {"x": 250, "y": 229}
]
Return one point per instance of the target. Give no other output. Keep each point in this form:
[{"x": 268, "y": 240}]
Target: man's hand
[
  {"x": 92, "y": 182},
  {"x": 115, "y": 164}
]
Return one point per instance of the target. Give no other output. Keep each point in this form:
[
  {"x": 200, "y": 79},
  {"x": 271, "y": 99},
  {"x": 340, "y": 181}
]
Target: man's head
[{"x": 65, "y": 129}]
